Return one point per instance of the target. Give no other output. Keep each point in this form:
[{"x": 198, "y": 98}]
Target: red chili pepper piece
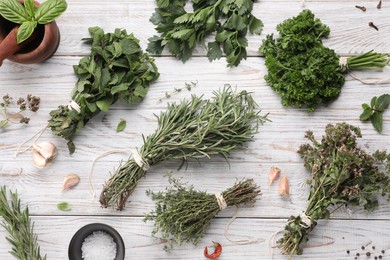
[{"x": 217, "y": 251}]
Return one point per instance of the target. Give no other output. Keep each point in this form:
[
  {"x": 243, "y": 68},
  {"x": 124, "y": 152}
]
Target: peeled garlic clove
[
  {"x": 273, "y": 175},
  {"x": 39, "y": 161},
  {"x": 284, "y": 187},
  {"x": 70, "y": 181},
  {"x": 46, "y": 149}
]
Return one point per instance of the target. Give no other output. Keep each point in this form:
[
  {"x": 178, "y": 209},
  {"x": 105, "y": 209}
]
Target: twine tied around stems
[
  {"x": 73, "y": 105},
  {"x": 305, "y": 220},
  {"x": 220, "y": 200},
  {"x": 343, "y": 62},
  {"x": 141, "y": 162}
]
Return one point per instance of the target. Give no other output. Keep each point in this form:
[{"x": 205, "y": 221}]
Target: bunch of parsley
[
  {"x": 342, "y": 174},
  {"x": 116, "y": 69},
  {"x": 302, "y": 70},
  {"x": 181, "y": 31}
]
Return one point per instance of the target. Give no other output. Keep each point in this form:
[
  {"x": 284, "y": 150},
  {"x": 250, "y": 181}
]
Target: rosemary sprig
[
  {"x": 194, "y": 128},
  {"x": 18, "y": 224},
  {"x": 342, "y": 174},
  {"x": 183, "y": 214}
]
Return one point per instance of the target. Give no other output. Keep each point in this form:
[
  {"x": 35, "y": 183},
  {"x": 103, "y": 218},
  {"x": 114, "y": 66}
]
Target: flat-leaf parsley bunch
[
  {"x": 116, "y": 69},
  {"x": 181, "y": 31},
  {"x": 302, "y": 70},
  {"x": 192, "y": 129},
  {"x": 342, "y": 174}
]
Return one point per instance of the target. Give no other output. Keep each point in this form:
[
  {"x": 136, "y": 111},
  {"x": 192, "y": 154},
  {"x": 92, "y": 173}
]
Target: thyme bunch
[
  {"x": 191, "y": 129},
  {"x": 343, "y": 174},
  {"x": 183, "y": 214},
  {"x": 18, "y": 224}
]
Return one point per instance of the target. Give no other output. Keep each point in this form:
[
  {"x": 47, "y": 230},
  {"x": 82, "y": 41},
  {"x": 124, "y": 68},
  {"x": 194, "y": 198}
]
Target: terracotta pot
[{"x": 39, "y": 47}]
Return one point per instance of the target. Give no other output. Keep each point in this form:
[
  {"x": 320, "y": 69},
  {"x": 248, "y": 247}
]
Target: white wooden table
[{"x": 275, "y": 145}]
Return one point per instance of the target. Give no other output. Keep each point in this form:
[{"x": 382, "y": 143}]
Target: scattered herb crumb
[
  {"x": 176, "y": 90},
  {"x": 64, "y": 206},
  {"x": 121, "y": 125}
]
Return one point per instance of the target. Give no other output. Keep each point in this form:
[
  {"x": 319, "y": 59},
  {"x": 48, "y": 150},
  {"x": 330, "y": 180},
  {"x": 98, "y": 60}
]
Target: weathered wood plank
[{"x": 330, "y": 239}]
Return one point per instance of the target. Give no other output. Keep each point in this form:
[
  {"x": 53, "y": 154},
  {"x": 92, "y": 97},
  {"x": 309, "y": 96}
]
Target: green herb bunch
[
  {"x": 181, "y": 31},
  {"x": 343, "y": 174},
  {"x": 194, "y": 128},
  {"x": 183, "y": 214},
  {"x": 18, "y": 224},
  {"x": 116, "y": 69},
  {"x": 29, "y": 16},
  {"x": 302, "y": 70},
  {"x": 374, "y": 113}
]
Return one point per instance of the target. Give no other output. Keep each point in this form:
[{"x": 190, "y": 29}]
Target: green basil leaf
[
  {"x": 121, "y": 125},
  {"x": 50, "y": 10},
  {"x": 13, "y": 11},
  {"x": 25, "y": 30},
  {"x": 104, "y": 105},
  {"x": 30, "y": 8},
  {"x": 64, "y": 206},
  {"x": 382, "y": 102},
  {"x": 366, "y": 114},
  {"x": 377, "y": 121}
]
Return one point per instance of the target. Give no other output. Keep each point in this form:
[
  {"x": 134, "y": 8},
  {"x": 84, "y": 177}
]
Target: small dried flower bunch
[{"x": 29, "y": 103}]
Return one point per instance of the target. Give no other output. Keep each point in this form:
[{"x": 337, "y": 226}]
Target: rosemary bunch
[
  {"x": 183, "y": 214},
  {"x": 194, "y": 128},
  {"x": 343, "y": 174},
  {"x": 116, "y": 69},
  {"x": 18, "y": 224}
]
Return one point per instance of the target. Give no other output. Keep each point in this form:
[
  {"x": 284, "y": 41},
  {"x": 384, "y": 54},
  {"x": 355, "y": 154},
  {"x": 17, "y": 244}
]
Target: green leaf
[
  {"x": 64, "y": 206},
  {"x": 104, "y": 105},
  {"x": 71, "y": 146},
  {"x": 154, "y": 45},
  {"x": 366, "y": 106},
  {"x": 13, "y": 11},
  {"x": 50, "y": 10},
  {"x": 30, "y": 8},
  {"x": 3, "y": 123},
  {"x": 25, "y": 30},
  {"x": 182, "y": 34},
  {"x": 185, "y": 18},
  {"x": 121, "y": 125},
  {"x": 377, "y": 121},
  {"x": 119, "y": 88},
  {"x": 366, "y": 114},
  {"x": 373, "y": 101},
  {"x": 255, "y": 25},
  {"x": 214, "y": 51},
  {"x": 129, "y": 46},
  {"x": 382, "y": 102}
]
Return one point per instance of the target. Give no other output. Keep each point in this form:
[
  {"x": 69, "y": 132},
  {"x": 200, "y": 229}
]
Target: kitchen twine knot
[
  {"x": 343, "y": 62},
  {"x": 306, "y": 220},
  {"x": 73, "y": 105},
  {"x": 141, "y": 162},
  {"x": 220, "y": 200}
]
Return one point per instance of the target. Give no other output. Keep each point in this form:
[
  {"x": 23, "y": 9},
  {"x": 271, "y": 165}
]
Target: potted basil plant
[{"x": 28, "y": 32}]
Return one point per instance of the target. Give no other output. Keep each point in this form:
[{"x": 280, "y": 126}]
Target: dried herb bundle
[
  {"x": 181, "y": 31},
  {"x": 343, "y": 174},
  {"x": 302, "y": 70},
  {"x": 183, "y": 214},
  {"x": 18, "y": 224},
  {"x": 194, "y": 128},
  {"x": 116, "y": 69}
]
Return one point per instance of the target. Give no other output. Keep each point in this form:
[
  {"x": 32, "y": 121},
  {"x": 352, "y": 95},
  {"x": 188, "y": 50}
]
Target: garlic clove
[
  {"x": 39, "y": 161},
  {"x": 43, "y": 154},
  {"x": 70, "y": 181},
  {"x": 273, "y": 175},
  {"x": 46, "y": 149},
  {"x": 284, "y": 187}
]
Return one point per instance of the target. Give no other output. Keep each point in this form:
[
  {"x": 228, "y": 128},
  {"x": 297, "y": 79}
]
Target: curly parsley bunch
[{"x": 302, "y": 70}]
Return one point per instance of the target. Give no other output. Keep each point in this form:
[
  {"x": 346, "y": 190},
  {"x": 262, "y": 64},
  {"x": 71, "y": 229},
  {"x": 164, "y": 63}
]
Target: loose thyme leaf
[
  {"x": 181, "y": 31},
  {"x": 192, "y": 129}
]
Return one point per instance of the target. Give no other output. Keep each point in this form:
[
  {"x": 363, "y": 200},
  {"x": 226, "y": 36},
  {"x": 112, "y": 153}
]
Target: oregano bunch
[
  {"x": 374, "y": 111},
  {"x": 180, "y": 31},
  {"x": 341, "y": 174},
  {"x": 116, "y": 69}
]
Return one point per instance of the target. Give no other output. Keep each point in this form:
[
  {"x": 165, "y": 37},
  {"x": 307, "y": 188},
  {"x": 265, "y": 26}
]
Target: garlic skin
[
  {"x": 284, "y": 187},
  {"x": 70, "y": 181},
  {"x": 273, "y": 175},
  {"x": 43, "y": 154}
]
